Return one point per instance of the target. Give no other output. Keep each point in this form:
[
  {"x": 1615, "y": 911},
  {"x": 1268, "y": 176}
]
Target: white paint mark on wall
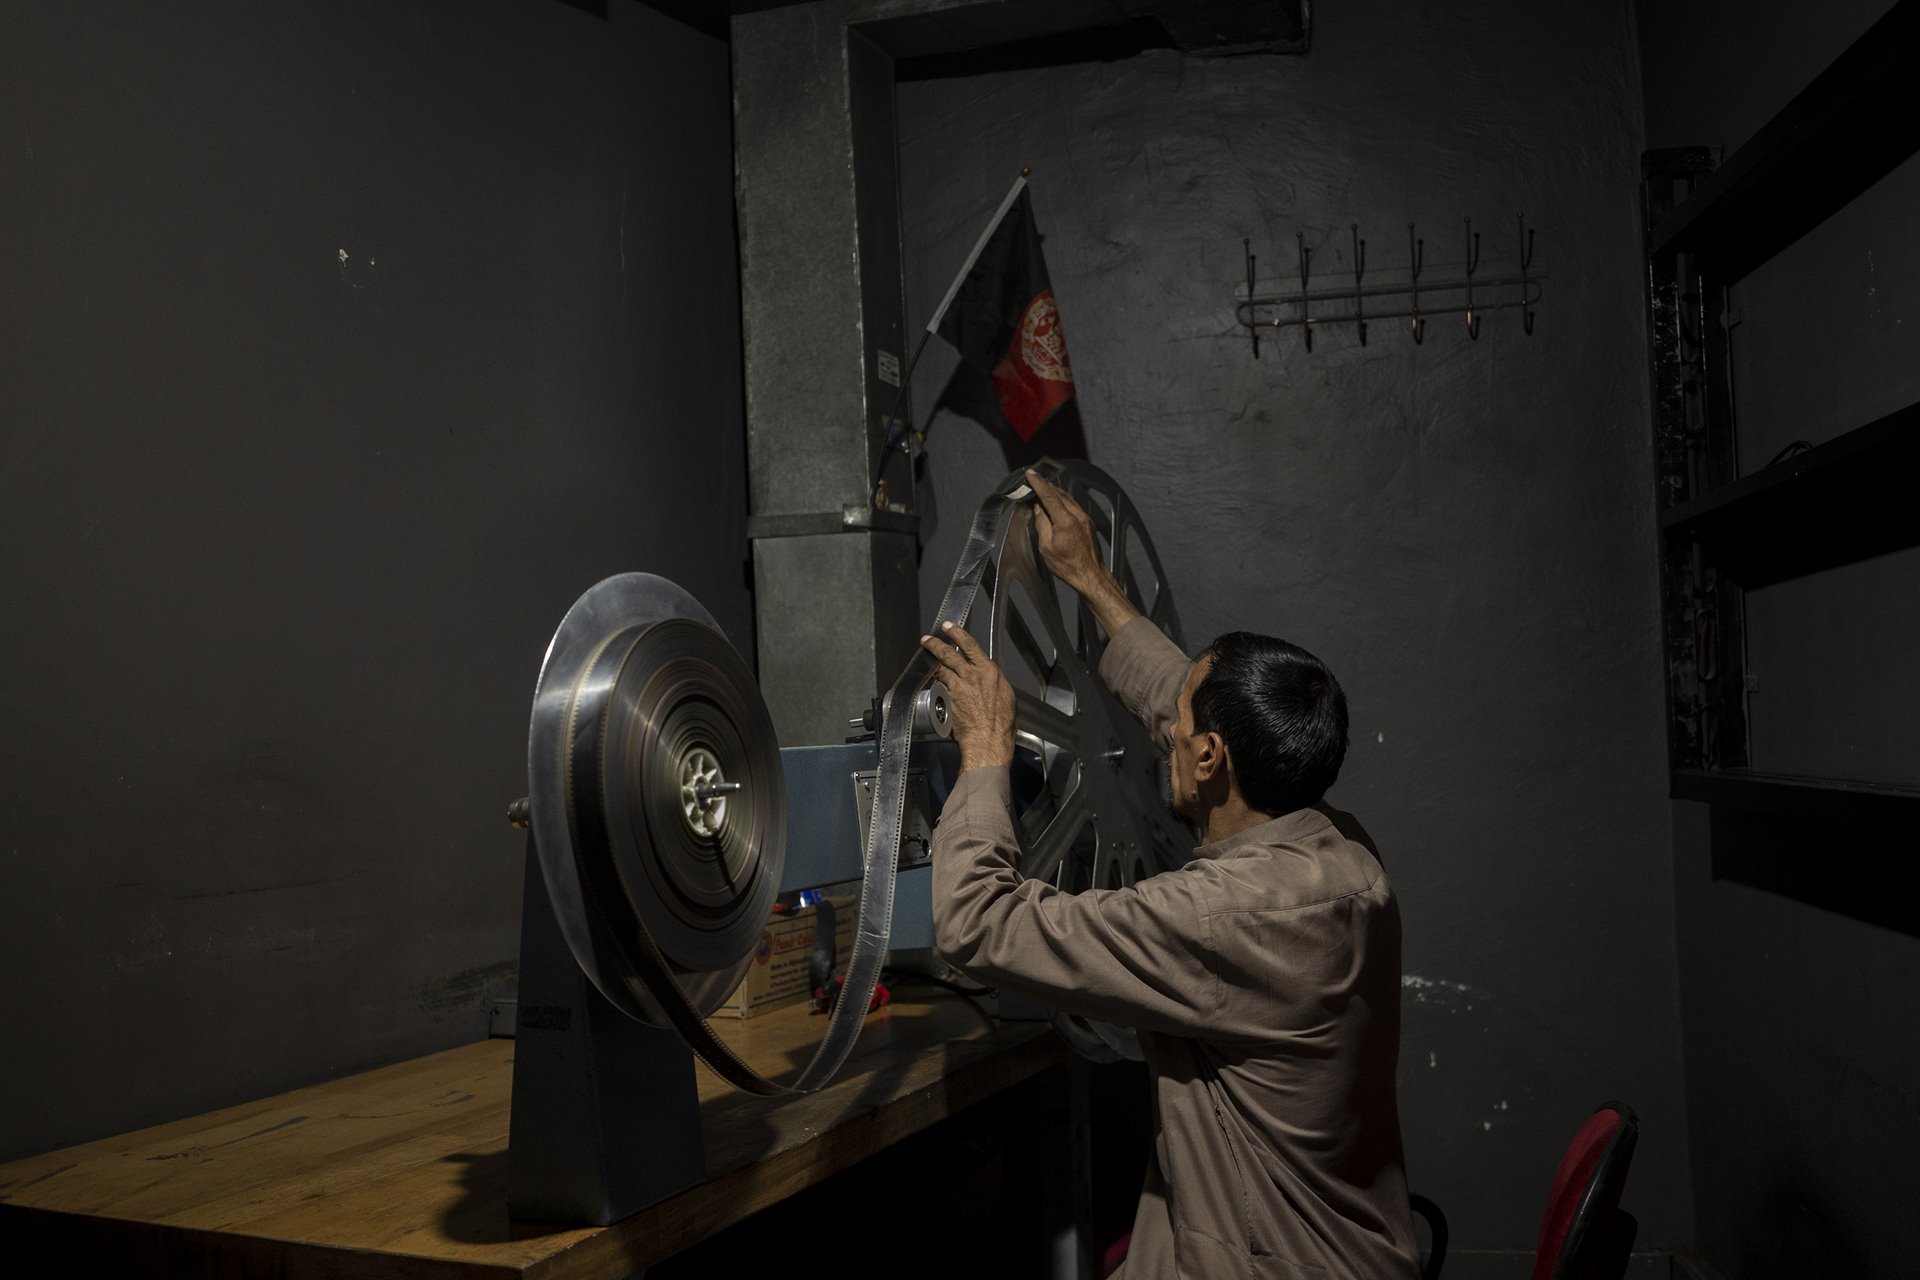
[
  {"x": 1418, "y": 982},
  {"x": 355, "y": 277},
  {"x": 1379, "y": 737},
  {"x": 1486, "y": 1125},
  {"x": 1441, "y": 991},
  {"x": 1433, "y": 1059}
]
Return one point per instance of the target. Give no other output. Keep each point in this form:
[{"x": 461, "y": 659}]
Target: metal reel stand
[{"x": 657, "y": 815}]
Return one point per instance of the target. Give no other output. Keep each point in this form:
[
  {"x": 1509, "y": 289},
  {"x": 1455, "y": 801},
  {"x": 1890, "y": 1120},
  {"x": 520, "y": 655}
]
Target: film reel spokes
[
  {"x": 1093, "y": 797},
  {"x": 1090, "y": 784}
]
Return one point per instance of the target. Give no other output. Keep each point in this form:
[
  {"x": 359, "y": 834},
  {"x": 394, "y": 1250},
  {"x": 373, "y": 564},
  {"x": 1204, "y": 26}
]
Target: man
[{"x": 1263, "y": 976}]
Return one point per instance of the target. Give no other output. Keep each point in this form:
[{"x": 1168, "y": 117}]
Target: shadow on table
[
  {"x": 841, "y": 1126},
  {"x": 480, "y": 1217}
]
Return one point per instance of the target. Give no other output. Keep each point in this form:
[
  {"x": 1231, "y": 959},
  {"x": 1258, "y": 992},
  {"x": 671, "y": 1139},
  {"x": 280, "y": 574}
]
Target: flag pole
[
  {"x": 904, "y": 438},
  {"x": 953, "y": 290}
]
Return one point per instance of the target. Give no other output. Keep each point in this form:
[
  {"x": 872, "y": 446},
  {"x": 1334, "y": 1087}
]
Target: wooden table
[{"x": 402, "y": 1172}]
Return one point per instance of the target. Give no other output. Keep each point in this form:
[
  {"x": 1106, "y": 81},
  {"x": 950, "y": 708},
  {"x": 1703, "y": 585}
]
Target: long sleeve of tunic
[{"x": 1264, "y": 978}]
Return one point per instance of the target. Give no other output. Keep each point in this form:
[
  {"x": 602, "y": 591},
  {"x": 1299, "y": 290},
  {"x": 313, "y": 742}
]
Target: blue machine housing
[{"x": 826, "y": 828}]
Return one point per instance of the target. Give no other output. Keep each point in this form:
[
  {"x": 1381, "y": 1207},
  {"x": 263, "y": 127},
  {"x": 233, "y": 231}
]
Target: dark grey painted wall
[
  {"x": 1463, "y": 530},
  {"x": 1828, "y": 340},
  {"x": 1799, "y": 1038},
  {"x": 1715, "y": 71},
  {"x": 341, "y": 346}
]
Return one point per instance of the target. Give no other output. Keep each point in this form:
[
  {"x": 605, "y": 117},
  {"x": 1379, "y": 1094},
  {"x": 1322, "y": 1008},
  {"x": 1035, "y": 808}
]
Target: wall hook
[
  {"x": 1359, "y": 268},
  {"x": 1306, "y": 325},
  {"x": 1246, "y": 247},
  {"x": 1462, "y": 288},
  {"x": 1526, "y": 260},
  {"x": 1473, "y": 260},
  {"x": 1416, "y": 249}
]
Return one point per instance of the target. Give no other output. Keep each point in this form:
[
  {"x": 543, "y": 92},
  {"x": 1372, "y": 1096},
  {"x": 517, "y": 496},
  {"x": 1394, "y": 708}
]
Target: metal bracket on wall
[
  {"x": 1409, "y": 292},
  {"x": 852, "y": 518}
]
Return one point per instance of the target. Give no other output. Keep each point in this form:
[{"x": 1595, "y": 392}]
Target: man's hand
[
  {"x": 978, "y": 696},
  {"x": 1065, "y": 533},
  {"x": 1071, "y": 553}
]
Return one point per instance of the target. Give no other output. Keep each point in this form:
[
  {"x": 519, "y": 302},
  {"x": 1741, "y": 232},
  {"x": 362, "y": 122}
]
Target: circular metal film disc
[
  {"x": 658, "y": 805},
  {"x": 1089, "y": 782}
]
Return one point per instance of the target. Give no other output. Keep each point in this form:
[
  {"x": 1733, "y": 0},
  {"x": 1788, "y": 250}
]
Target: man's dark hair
[{"x": 1282, "y": 716}]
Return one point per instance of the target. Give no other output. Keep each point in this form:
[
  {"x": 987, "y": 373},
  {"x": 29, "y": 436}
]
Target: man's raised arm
[
  {"x": 1132, "y": 956},
  {"x": 1145, "y": 669}
]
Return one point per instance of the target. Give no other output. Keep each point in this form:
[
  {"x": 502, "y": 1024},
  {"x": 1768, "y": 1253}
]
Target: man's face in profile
[{"x": 1183, "y": 788}]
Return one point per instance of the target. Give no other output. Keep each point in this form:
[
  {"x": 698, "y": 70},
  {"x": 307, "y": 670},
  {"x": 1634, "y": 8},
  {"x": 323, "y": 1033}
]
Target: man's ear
[{"x": 1211, "y": 760}]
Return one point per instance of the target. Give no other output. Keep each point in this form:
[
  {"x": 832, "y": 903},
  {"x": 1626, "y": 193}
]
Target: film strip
[{"x": 659, "y": 967}]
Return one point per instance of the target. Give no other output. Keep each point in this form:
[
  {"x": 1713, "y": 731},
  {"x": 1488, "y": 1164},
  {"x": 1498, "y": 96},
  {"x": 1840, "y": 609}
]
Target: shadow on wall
[
  {"x": 1793, "y": 1235},
  {"x": 969, "y": 394},
  {"x": 1769, "y": 851}
]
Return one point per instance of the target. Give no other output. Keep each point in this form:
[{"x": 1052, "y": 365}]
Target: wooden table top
[{"x": 402, "y": 1172}]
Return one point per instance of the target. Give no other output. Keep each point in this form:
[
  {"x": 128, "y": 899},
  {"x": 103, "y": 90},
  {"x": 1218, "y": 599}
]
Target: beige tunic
[{"x": 1264, "y": 979}]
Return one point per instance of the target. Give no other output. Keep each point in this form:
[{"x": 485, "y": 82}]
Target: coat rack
[{"x": 1410, "y": 293}]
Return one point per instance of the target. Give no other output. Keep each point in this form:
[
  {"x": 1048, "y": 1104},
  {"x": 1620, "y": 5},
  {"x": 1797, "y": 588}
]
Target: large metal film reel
[
  {"x": 657, "y": 800},
  {"x": 658, "y": 807},
  {"x": 1089, "y": 782}
]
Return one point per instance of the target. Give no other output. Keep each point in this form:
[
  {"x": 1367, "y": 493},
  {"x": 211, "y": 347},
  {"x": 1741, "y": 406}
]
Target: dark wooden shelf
[
  {"x": 1838, "y": 846},
  {"x": 1838, "y": 502},
  {"x": 1842, "y": 134},
  {"x": 1830, "y": 800}
]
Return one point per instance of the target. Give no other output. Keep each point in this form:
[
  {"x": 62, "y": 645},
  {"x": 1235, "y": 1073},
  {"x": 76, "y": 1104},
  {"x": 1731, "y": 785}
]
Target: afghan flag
[{"x": 1001, "y": 317}]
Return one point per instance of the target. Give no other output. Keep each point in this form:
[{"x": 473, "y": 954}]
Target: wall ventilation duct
[{"x": 816, "y": 187}]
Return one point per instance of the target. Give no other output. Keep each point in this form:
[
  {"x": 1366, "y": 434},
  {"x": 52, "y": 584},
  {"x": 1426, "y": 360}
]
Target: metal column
[{"x": 836, "y": 587}]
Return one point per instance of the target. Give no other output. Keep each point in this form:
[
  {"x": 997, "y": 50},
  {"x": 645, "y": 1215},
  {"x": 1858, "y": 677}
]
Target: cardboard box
[{"x": 778, "y": 975}]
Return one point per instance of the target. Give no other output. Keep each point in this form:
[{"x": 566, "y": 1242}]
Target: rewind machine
[{"x": 663, "y": 819}]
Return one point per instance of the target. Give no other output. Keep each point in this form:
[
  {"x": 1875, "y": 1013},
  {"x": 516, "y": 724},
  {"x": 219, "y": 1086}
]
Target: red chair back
[{"x": 1586, "y": 1191}]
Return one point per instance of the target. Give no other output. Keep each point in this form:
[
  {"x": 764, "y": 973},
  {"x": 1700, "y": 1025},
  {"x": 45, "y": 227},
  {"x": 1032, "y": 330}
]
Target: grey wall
[
  {"x": 1463, "y": 530},
  {"x": 341, "y": 346},
  {"x": 1828, "y": 340},
  {"x": 1799, "y": 1037}
]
